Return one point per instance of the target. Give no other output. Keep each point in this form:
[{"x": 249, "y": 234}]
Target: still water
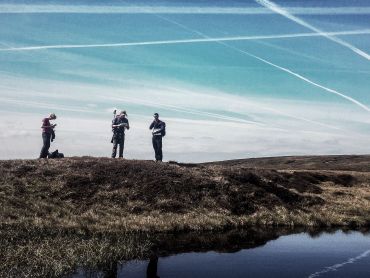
[{"x": 334, "y": 254}]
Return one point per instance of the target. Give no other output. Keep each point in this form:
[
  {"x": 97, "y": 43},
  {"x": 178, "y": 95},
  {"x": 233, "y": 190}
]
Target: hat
[
  {"x": 156, "y": 114},
  {"x": 123, "y": 112}
]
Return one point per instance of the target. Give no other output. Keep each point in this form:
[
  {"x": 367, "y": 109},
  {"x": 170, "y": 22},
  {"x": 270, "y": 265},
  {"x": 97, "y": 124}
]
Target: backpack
[
  {"x": 163, "y": 133},
  {"x": 56, "y": 154}
]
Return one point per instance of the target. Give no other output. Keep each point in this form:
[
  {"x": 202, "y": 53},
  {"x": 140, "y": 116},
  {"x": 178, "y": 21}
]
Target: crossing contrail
[
  {"x": 205, "y": 39},
  {"x": 274, "y": 7},
  {"x": 327, "y": 89}
]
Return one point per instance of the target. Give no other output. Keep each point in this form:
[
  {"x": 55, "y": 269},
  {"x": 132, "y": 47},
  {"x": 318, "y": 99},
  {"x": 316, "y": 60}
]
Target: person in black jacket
[
  {"x": 158, "y": 130},
  {"x": 119, "y": 124}
]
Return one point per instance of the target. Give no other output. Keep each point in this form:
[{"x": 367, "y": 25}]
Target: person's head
[
  {"x": 123, "y": 113},
  {"x": 52, "y": 116},
  {"x": 156, "y": 116}
]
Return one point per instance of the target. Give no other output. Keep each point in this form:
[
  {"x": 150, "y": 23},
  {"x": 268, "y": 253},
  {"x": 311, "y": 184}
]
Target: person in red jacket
[{"x": 47, "y": 134}]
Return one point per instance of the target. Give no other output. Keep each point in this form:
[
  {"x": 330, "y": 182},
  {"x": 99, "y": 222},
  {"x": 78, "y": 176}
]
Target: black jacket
[
  {"x": 158, "y": 128},
  {"x": 118, "y": 121}
]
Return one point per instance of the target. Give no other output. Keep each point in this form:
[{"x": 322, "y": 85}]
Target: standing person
[
  {"x": 119, "y": 124},
  {"x": 47, "y": 134},
  {"x": 158, "y": 130}
]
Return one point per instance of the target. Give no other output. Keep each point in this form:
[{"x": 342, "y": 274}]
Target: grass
[
  {"x": 46, "y": 253},
  {"x": 136, "y": 196},
  {"x": 57, "y": 215}
]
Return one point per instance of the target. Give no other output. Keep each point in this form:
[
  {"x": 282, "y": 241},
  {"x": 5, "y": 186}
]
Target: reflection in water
[
  {"x": 252, "y": 253},
  {"x": 111, "y": 271},
  {"x": 151, "y": 271}
]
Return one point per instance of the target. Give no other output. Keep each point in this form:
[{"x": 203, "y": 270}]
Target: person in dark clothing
[
  {"x": 47, "y": 134},
  {"x": 158, "y": 130},
  {"x": 119, "y": 124}
]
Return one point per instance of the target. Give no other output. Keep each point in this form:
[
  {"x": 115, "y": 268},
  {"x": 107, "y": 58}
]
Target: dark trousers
[
  {"x": 45, "y": 145},
  {"x": 157, "y": 145},
  {"x": 118, "y": 139}
]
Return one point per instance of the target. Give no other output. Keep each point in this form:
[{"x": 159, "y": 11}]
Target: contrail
[
  {"x": 121, "y": 9},
  {"x": 337, "y": 266},
  {"x": 327, "y": 89},
  {"x": 292, "y": 52},
  {"x": 196, "y": 112},
  {"x": 39, "y": 104},
  {"x": 188, "y": 111},
  {"x": 222, "y": 117},
  {"x": 237, "y": 49},
  {"x": 137, "y": 101},
  {"x": 272, "y": 6},
  {"x": 205, "y": 39},
  {"x": 274, "y": 65}
]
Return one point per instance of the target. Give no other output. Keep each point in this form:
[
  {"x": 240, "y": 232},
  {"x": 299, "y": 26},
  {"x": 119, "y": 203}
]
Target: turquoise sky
[{"x": 232, "y": 78}]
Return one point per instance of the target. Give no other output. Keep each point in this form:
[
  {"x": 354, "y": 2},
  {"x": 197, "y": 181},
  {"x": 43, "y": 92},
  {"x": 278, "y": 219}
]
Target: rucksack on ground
[{"x": 55, "y": 154}]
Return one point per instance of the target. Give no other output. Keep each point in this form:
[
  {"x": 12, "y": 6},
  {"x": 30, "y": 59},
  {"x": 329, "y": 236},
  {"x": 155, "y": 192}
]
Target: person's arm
[
  {"x": 114, "y": 123},
  {"x": 151, "y": 125},
  {"x": 161, "y": 127},
  {"x": 125, "y": 124}
]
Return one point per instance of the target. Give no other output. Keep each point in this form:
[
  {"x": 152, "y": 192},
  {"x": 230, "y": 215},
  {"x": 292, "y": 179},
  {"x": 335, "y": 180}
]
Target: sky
[{"x": 231, "y": 79}]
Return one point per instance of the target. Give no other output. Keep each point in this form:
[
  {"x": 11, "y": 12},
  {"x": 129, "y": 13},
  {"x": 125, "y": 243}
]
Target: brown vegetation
[
  {"x": 74, "y": 203},
  {"x": 104, "y": 194}
]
